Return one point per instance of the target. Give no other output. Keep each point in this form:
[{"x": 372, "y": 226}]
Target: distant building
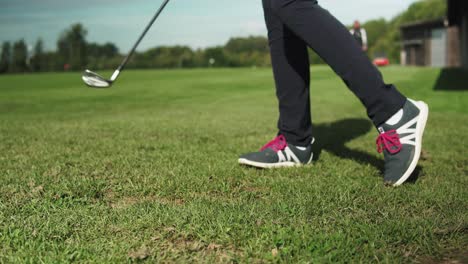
[
  {"x": 458, "y": 17},
  {"x": 438, "y": 43}
]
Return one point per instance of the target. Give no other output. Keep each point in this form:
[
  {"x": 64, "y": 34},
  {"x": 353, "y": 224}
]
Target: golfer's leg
[
  {"x": 332, "y": 41},
  {"x": 291, "y": 71}
]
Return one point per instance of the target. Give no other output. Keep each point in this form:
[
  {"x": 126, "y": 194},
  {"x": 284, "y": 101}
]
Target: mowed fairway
[{"x": 148, "y": 171}]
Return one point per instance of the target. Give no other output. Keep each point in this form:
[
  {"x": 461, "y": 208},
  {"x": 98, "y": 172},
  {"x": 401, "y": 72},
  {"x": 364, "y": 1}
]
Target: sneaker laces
[
  {"x": 390, "y": 141},
  {"x": 277, "y": 144}
]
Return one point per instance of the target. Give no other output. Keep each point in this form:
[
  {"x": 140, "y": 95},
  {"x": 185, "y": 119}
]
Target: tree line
[{"x": 74, "y": 52}]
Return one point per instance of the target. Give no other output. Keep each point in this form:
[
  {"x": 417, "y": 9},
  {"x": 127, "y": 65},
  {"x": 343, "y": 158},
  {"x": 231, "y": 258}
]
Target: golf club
[{"x": 95, "y": 80}]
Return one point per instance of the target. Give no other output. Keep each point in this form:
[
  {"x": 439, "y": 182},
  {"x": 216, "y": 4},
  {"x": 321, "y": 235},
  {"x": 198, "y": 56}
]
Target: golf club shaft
[{"x": 124, "y": 62}]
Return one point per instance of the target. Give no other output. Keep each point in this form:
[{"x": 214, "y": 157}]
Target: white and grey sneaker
[
  {"x": 400, "y": 140},
  {"x": 278, "y": 153}
]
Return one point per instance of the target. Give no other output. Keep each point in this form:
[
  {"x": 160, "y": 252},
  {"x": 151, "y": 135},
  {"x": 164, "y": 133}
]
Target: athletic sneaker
[
  {"x": 400, "y": 140},
  {"x": 278, "y": 153}
]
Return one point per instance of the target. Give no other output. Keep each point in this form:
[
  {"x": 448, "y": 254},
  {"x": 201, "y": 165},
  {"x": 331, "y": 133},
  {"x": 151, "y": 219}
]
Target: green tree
[
  {"x": 37, "y": 60},
  {"x": 20, "y": 56},
  {"x": 52, "y": 61},
  {"x": 102, "y": 56},
  {"x": 71, "y": 47},
  {"x": 250, "y": 51},
  {"x": 424, "y": 10},
  {"x": 107, "y": 50},
  {"x": 375, "y": 30},
  {"x": 248, "y": 45},
  {"x": 5, "y": 58},
  {"x": 215, "y": 57}
]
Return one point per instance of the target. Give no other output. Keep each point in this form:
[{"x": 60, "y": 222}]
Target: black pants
[{"x": 292, "y": 26}]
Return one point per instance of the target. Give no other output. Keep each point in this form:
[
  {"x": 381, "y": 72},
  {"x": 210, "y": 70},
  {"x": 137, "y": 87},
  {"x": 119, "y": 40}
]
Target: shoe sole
[
  {"x": 420, "y": 127},
  {"x": 287, "y": 164}
]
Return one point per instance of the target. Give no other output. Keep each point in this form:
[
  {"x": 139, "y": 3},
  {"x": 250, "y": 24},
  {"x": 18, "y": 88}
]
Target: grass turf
[{"x": 147, "y": 171}]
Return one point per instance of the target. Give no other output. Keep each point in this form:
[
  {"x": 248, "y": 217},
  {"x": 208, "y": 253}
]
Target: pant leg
[
  {"x": 290, "y": 63},
  {"x": 332, "y": 41}
]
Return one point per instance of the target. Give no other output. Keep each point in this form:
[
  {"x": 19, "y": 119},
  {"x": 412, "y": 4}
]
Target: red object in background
[
  {"x": 66, "y": 66},
  {"x": 380, "y": 62}
]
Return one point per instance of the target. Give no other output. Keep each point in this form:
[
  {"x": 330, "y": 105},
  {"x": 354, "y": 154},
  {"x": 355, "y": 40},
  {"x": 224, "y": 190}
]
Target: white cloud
[{"x": 253, "y": 27}]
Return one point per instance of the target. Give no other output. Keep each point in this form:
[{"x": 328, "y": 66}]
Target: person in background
[
  {"x": 360, "y": 35},
  {"x": 292, "y": 26}
]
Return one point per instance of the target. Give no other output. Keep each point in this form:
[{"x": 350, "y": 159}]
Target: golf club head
[{"x": 95, "y": 80}]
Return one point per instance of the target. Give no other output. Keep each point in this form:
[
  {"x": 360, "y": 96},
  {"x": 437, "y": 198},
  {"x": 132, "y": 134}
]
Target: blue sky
[{"x": 197, "y": 23}]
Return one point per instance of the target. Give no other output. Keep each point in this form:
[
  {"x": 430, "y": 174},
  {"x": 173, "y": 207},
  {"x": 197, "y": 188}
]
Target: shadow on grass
[
  {"x": 333, "y": 137},
  {"x": 452, "y": 80}
]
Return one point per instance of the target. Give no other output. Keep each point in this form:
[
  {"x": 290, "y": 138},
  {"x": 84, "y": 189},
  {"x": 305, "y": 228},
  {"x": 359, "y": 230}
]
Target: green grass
[{"x": 147, "y": 171}]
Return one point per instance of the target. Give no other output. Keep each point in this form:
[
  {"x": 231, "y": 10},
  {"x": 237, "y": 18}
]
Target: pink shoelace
[
  {"x": 390, "y": 141},
  {"x": 277, "y": 144}
]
